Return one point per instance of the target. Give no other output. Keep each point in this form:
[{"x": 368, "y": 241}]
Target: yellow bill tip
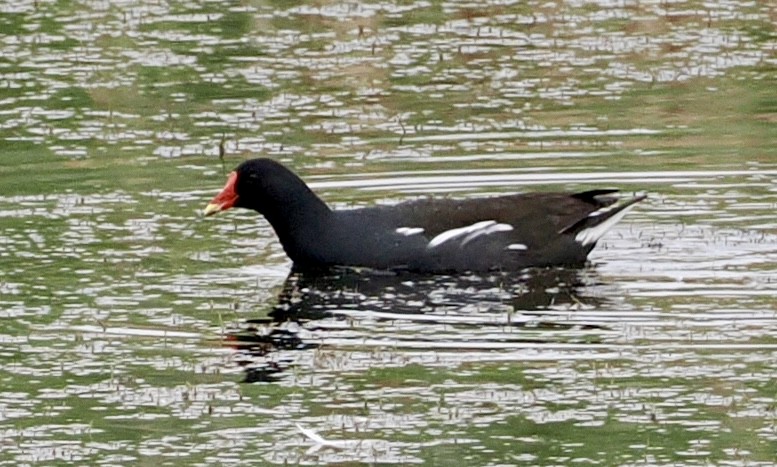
[{"x": 211, "y": 209}]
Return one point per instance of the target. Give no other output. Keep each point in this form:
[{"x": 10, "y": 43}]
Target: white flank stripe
[
  {"x": 469, "y": 233},
  {"x": 517, "y": 246},
  {"x": 488, "y": 230},
  {"x": 407, "y": 231},
  {"x": 453, "y": 233},
  {"x": 593, "y": 234}
]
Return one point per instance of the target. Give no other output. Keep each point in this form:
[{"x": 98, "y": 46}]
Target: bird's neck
[{"x": 301, "y": 223}]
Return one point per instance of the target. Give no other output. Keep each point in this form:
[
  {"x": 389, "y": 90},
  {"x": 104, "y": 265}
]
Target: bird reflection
[{"x": 308, "y": 301}]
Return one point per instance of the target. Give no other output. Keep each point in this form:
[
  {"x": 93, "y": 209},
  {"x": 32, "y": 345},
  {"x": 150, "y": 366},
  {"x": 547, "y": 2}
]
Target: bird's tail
[{"x": 590, "y": 229}]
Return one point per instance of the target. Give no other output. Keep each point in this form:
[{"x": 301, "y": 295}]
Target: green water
[{"x": 118, "y": 303}]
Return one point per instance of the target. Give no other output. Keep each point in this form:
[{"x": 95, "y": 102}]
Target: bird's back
[{"x": 438, "y": 235}]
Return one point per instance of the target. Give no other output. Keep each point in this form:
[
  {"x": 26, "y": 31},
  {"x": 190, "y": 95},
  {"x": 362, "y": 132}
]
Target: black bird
[{"x": 504, "y": 233}]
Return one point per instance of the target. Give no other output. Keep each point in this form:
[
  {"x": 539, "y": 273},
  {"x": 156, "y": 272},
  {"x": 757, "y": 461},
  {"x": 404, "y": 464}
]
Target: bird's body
[{"x": 435, "y": 235}]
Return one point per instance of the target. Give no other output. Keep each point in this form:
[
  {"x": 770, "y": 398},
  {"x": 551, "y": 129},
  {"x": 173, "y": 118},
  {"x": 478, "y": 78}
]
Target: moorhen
[{"x": 504, "y": 233}]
